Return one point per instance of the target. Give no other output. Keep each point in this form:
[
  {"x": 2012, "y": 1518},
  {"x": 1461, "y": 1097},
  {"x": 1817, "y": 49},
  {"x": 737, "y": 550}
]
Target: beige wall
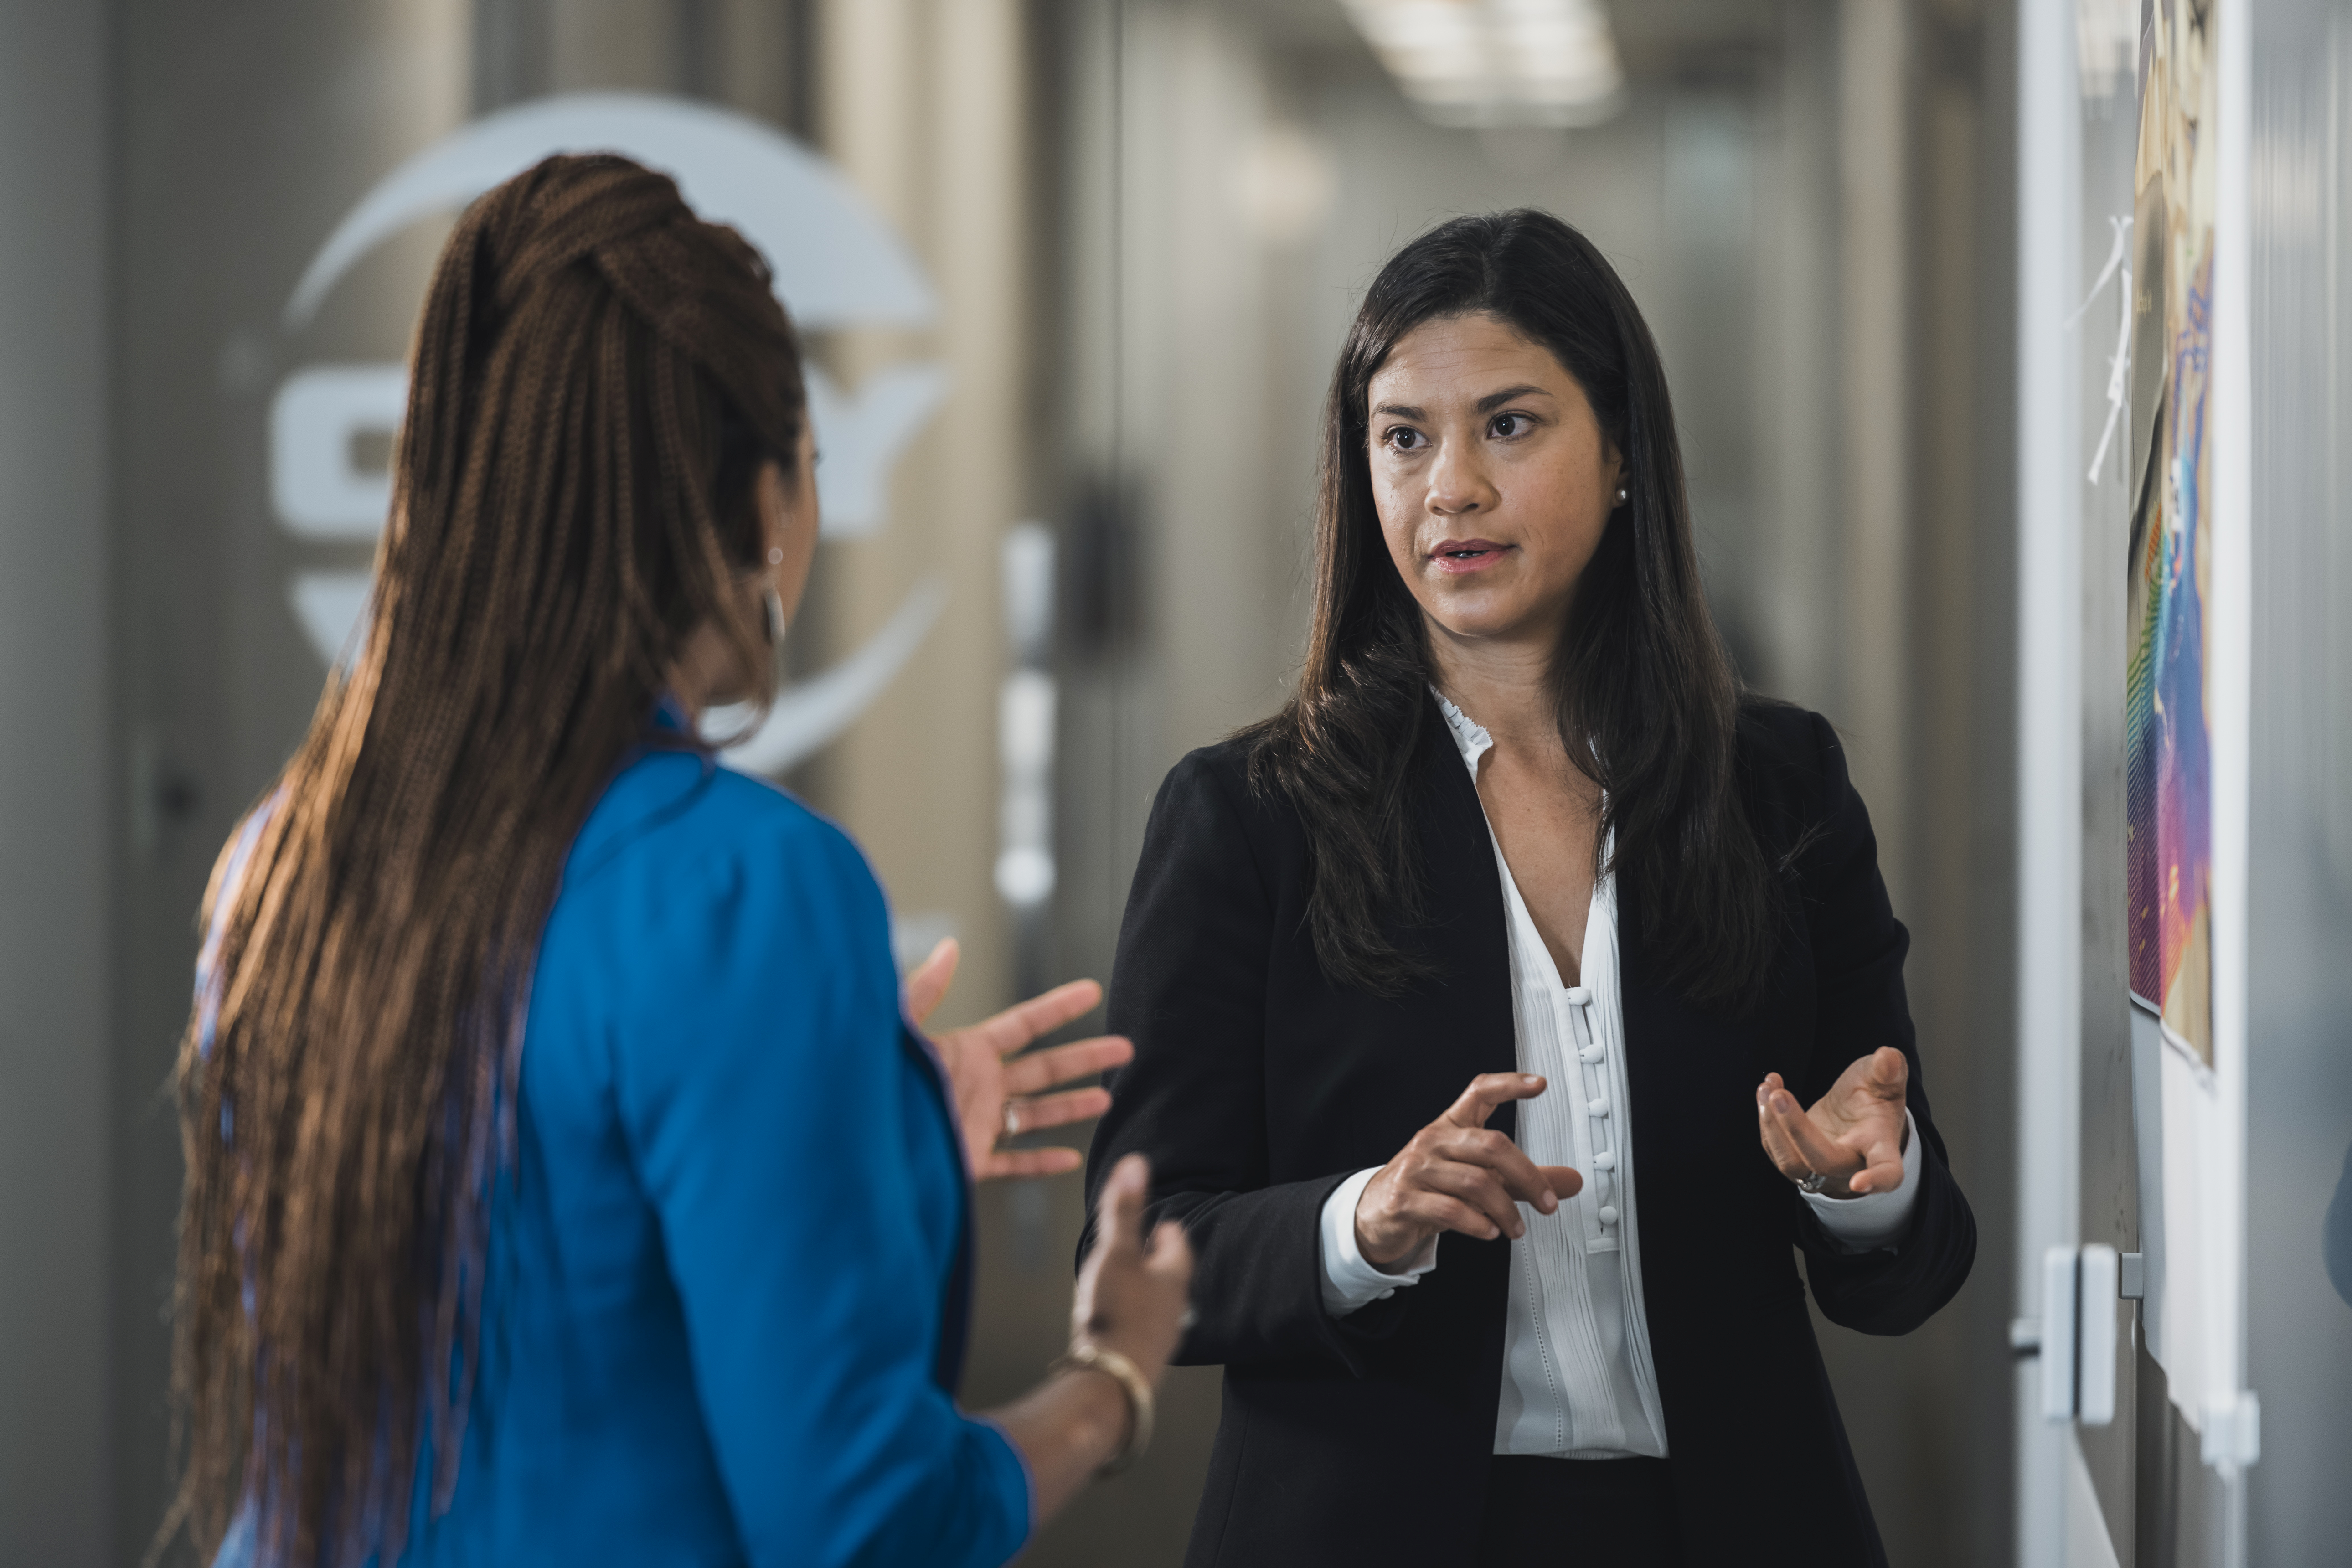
[{"x": 923, "y": 104}]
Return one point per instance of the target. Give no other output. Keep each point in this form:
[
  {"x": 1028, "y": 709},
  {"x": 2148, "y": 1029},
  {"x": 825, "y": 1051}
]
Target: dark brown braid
[{"x": 571, "y": 501}]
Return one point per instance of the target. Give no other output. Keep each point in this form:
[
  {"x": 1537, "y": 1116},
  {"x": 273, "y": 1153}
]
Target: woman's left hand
[
  {"x": 1853, "y": 1136},
  {"x": 996, "y": 1098}
]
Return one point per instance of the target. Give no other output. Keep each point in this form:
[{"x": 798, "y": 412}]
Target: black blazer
[{"x": 1258, "y": 1085}]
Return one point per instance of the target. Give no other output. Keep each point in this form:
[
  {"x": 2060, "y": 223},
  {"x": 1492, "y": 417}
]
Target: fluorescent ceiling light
[{"x": 1496, "y": 62}]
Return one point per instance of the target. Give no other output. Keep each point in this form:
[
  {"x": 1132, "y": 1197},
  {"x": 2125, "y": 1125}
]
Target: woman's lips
[{"x": 1456, "y": 557}]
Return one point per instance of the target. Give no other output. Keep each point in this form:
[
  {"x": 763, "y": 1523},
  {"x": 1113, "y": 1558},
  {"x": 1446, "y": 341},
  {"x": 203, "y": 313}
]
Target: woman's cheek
[{"x": 1399, "y": 537}]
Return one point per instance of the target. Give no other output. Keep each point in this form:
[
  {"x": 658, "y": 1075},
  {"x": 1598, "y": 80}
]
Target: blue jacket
[{"x": 727, "y": 1267}]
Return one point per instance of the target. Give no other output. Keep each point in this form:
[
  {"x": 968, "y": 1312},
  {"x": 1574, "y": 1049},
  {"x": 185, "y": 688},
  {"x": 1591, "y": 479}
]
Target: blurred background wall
[
  {"x": 58, "y": 1184},
  {"x": 1146, "y": 223},
  {"x": 2299, "y": 1332}
]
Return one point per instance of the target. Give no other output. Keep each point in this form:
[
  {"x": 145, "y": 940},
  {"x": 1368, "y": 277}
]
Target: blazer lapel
[{"x": 1467, "y": 935}]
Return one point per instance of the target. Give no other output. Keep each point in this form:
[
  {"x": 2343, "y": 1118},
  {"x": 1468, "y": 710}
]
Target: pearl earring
[
  {"x": 776, "y": 553},
  {"x": 1622, "y": 497}
]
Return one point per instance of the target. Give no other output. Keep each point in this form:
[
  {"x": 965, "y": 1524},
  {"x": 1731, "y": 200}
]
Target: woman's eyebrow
[
  {"x": 1486, "y": 405},
  {"x": 1494, "y": 400}
]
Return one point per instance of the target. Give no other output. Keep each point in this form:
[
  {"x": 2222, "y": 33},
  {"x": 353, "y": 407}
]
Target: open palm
[
  {"x": 988, "y": 1073},
  {"x": 1854, "y": 1136}
]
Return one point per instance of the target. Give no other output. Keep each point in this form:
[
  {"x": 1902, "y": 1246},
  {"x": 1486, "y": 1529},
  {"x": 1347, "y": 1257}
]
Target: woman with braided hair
[{"x": 566, "y": 1182}]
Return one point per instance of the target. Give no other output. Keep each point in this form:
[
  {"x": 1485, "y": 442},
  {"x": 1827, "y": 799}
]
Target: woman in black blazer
[{"x": 1507, "y": 1008}]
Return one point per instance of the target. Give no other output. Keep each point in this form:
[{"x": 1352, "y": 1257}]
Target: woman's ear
[
  {"x": 772, "y": 495},
  {"x": 1617, "y": 480},
  {"x": 789, "y": 523}
]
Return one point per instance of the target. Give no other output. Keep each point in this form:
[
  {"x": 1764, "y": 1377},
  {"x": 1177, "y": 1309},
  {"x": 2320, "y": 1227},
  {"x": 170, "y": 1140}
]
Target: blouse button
[
  {"x": 1608, "y": 1214},
  {"x": 1604, "y": 1161},
  {"x": 1579, "y": 995},
  {"x": 1592, "y": 1054},
  {"x": 1598, "y": 1105}
]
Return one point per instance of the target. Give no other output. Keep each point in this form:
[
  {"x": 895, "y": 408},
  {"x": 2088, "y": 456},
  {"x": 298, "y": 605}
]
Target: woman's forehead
[{"x": 1466, "y": 357}]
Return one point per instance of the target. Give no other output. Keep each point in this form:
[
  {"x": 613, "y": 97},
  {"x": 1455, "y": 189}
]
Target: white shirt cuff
[
  {"x": 1873, "y": 1219},
  {"x": 1348, "y": 1280}
]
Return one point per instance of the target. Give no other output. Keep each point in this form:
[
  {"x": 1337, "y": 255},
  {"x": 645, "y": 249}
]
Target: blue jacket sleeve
[{"x": 810, "y": 1195}]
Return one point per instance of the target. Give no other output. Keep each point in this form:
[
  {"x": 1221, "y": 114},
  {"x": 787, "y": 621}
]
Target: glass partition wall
[
  {"x": 2298, "y": 1282},
  {"x": 1074, "y": 273}
]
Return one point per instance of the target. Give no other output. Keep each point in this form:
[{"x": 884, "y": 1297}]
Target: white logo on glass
[{"x": 835, "y": 263}]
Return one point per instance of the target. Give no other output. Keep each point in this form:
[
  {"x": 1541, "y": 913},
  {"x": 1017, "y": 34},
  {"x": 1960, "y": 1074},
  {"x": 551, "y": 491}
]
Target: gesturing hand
[
  {"x": 1131, "y": 1295},
  {"x": 1853, "y": 1136},
  {"x": 1457, "y": 1175},
  {"x": 996, "y": 1098}
]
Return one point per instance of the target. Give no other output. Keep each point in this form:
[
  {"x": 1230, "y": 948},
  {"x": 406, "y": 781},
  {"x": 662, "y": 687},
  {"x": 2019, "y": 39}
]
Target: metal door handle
[{"x": 2075, "y": 1336}]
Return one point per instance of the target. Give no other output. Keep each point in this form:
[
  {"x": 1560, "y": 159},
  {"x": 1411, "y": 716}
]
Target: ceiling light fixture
[{"x": 1477, "y": 63}]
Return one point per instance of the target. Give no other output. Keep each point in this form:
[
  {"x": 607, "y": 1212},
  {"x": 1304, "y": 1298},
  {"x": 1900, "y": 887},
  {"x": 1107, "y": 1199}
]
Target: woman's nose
[{"x": 1457, "y": 485}]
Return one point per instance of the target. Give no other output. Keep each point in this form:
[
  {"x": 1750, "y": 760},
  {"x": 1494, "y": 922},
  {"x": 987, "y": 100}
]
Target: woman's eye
[
  {"x": 1405, "y": 438},
  {"x": 1509, "y": 425}
]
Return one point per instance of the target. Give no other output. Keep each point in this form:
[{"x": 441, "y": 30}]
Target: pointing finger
[
  {"x": 1511, "y": 1167},
  {"x": 1475, "y": 1187},
  {"x": 1002, "y": 1162},
  {"x": 1119, "y": 1206},
  {"x": 1488, "y": 1090},
  {"x": 1023, "y": 1021},
  {"x": 1443, "y": 1212},
  {"x": 1061, "y": 1110},
  {"x": 1043, "y": 1070},
  {"x": 1565, "y": 1181},
  {"x": 927, "y": 981}
]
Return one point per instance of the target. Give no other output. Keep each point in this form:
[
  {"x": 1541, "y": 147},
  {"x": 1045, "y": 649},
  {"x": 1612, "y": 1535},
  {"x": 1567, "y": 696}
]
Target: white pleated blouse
[{"x": 1578, "y": 1378}]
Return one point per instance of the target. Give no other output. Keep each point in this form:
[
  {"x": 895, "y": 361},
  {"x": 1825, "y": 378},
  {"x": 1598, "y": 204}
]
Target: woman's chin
[{"x": 1492, "y": 617}]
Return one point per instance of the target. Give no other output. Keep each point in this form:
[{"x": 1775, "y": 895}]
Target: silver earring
[
  {"x": 1622, "y": 497},
  {"x": 773, "y": 604}
]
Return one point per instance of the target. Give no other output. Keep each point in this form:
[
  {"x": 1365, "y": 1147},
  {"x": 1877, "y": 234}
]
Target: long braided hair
[{"x": 598, "y": 377}]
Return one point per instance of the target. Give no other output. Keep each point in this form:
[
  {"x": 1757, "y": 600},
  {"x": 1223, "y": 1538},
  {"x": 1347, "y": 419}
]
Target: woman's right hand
[
  {"x": 1458, "y": 1174},
  {"x": 1132, "y": 1299}
]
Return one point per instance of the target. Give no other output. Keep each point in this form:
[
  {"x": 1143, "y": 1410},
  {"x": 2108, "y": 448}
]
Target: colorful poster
[{"x": 2169, "y": 749}]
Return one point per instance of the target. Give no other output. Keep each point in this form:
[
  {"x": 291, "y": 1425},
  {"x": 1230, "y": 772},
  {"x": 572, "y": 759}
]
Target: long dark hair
[
  {"x": 1647, "y": 698},
  {"x": 598, "y": 376}
]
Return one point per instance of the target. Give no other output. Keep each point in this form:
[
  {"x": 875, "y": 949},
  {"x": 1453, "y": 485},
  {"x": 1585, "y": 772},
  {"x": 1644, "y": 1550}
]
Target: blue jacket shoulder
[{"x": 677, "y": 809}]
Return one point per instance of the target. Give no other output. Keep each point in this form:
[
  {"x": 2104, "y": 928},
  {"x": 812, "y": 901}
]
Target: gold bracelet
[{"x": 1088, "y": 1356}]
